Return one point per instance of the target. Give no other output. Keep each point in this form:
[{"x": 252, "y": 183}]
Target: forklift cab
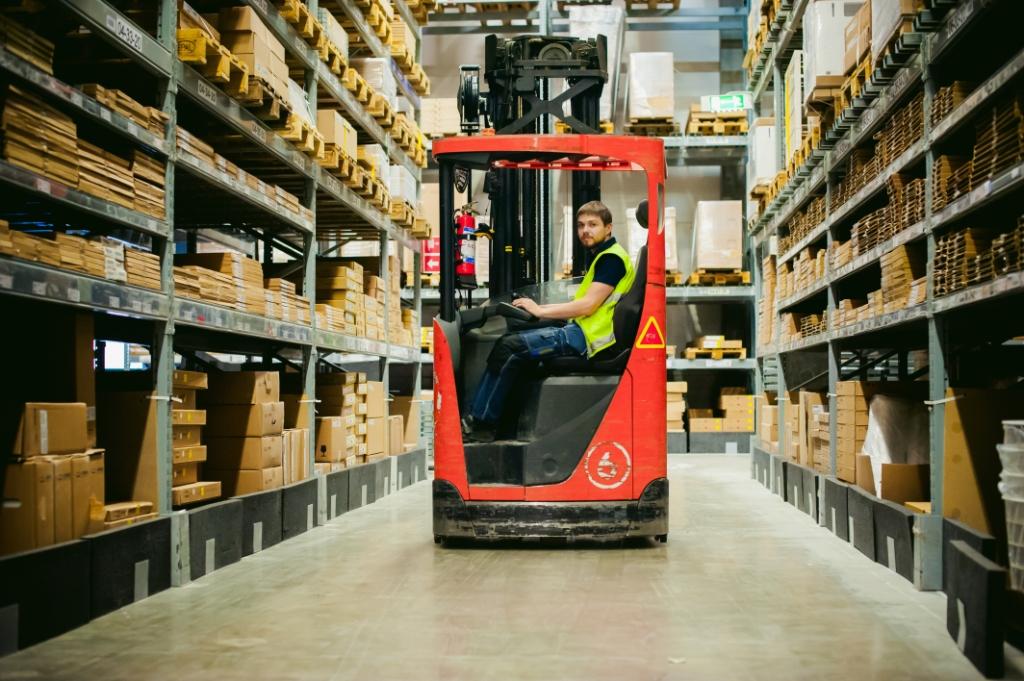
[{"x": 583, "y": 439}]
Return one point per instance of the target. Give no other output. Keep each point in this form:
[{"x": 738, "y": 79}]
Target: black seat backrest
[{"x": 626, "y": 319}]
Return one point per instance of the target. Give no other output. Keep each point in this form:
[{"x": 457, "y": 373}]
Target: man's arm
[{"x": 584, "y": 307}]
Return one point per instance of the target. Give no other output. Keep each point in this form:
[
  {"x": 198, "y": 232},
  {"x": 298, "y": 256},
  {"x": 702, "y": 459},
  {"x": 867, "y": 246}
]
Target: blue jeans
[{"x": 514, "y": 352}]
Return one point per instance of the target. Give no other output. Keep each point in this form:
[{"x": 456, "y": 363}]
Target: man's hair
[{"x": 595, "y": 208}]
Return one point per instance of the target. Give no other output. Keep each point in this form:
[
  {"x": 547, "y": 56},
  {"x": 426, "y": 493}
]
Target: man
[{"x": 589, "y": 330}]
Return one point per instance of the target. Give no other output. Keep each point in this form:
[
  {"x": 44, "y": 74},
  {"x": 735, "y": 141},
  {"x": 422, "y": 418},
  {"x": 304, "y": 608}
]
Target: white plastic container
[
  {"x": 1011, "y": 486},
  {"x": 1013, "y": 432},
  {"x": 1012, "y": 458},
  {"x": 1017, "y": 566},
  {"x": 1015, "y": 533}
]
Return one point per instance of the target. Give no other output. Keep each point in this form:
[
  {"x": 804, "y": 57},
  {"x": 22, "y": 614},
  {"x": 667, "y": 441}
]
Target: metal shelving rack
[
  {"x": 925, "y": 326},
  {"x": 340, "y": 215}
]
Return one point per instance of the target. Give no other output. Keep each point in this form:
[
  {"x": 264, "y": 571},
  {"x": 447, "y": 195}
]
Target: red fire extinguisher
[{"x": 465, "y": 245}]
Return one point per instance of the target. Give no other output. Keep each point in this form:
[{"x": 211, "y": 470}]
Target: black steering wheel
[{"x": 510, "y": 311}]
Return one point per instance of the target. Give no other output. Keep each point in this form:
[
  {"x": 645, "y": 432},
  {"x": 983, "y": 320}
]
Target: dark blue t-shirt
[{"x": 608, "y": 270}]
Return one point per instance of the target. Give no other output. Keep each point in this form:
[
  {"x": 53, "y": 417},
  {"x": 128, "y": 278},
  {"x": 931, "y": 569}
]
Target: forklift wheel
[{"x": 661, "y": 538}]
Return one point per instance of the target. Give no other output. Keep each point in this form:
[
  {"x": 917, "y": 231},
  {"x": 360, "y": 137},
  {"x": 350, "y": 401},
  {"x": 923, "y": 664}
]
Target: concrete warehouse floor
[{"x": 746, "y": 588}]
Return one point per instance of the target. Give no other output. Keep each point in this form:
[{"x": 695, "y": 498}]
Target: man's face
[{"x": 591, "y": 231}]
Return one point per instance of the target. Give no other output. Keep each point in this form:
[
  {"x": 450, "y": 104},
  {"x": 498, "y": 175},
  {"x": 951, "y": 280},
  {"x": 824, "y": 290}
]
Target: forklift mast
[{"x": 518, "y": 73}]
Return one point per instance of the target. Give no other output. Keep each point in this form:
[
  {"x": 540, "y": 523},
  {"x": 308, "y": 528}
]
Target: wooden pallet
[
  {"x": 309, "y": 28},
  {"x": 420, "y": 228},
  {"x": 674, "y": 278},
  {"x": 265, "y": 103},
  {"x": 606, "y": 127},
  {"x": 357, "y": 179},
  {"x": 337, "y": 162},
  {"x": 303, "y": 136},
  {"x": 331, "y": 55},
  {"x": 213, "y": 60},
  {"x": 716, "y": 122},
  {"x": 652, "y": 127},
  {"x": 357, "y": 85},
  {"x": 402, "y": 213},
  {"x": 380, "y": 109},
  {"x": 403, "y": 57},
  {"x": 718, "y": 278},
  {"x": 716, "y": 353}
]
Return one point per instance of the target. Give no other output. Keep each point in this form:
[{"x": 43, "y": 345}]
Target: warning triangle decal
[{"x": 651, "y": 336}]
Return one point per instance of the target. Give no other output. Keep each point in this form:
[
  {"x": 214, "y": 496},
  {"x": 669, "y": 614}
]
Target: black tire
[{"x": 661, "y": 538}]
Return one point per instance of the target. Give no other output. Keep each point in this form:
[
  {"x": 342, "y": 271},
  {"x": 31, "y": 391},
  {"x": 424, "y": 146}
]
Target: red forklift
[{"x": 580, "y": 452}]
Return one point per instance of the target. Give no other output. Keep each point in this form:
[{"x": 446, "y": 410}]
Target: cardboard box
[
  {"x": 676, "y": 387},
  {"x": 298, "y": 410},
  {"x": 900, "y": 483},
  {"x": 188, "y": 453},
  {"x": 737, "y": 424},
  {"x": 184, "y": 398},
  {"x": 245, "y": 420},
  {"x": 807, "y": 401},
  {"x": 190, "y": 380},
  {"x": 337, "y": 131},
  {"x": 244, "y": 387},
  {"x": 763, "y": 166},
  {"x": 125, "y": 509},
  {"x": 793, "y": 121},
  {"x": 63, "y": 522},
  {"x": 396, "y": 435},
  {"x": 651, "y": 85},
  {"x": 84, "y": 488},
  {"x": 194, "y": 492},
  {"x": 706, "y": 425},
  {"x": 26, "y": 517},
  {"x": 376, "y": 400},
  {"x": 185, "y": 436},
  {"x": 127, "y": 427},
  {"x": 886, "y": 17},
  {"x": 52, "y": 428},
  {"x": 738, "y": 403},
  {"x": 376, "y": 435},
  {"x": 188, "y": 417},
  {"x": 330, "y": 439},
  {"x": 255, "y": 453},
  {"x": 718, "y": 235},
  {"x": 857, "y": 38},
  {"x": 409, "y": 409},
  {"x": 246, "y": 481},
  {"x": 185, "y": 474}
]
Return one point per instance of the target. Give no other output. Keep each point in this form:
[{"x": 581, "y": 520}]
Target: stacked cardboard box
[
  {"x": 26, "y": 44},
  {"x": 376, "y": 435},
  {"x": 340, "y": 395},
  {"x": 142, "y": 269},
  {"x": 675, "y": 404},
  {"x": 187, "y": 423},
  {"x": 439, "y": 117},
  {"x": 857, "y": 38},
  {"x": 900, "y": 270},
  {"x": 39, "y": 138},
  {"x": 807, "y": 402},
  {"x": 188, "y": 142},
  {"x": 768, "y": 421},
  {"x": 377, "y": 73},
  {"x": 245, "y": 426},
  {"x": 339, "y": 285},
  {"x": 852, "y": 398},
  {"x": 246, "y": 276},
  {"x": 737, "y": 407},
  {"x": 148, "y": 174},
  {"x": 338, "y": 133},
  {"x": 295, "y": 455},
  {"x": 56, "y": 479},
  {"x": 396, "y": 434},
  {"x": 105, "y": 175},
  {"x": 820, "y": 438},
  {"x": 148, "y": 117},
  {"x": 248, "y": 38},
  {"x": 373, "y": 158},
  {"x": 373, "y": 304},
  {"x": 408, "y": 407},
  {"x": 704, "y": 421},
  {"x": 791, "y": 425}
]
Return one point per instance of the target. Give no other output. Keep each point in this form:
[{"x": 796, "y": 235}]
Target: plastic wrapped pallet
[
  {"x": 376, "y": 158},
  {"x": 857, "y": 38},
  {"x": 897, "y": 433},
  {"x": 403, "y": 184},
  {"x": 298, "y": 102},
  {"x": 378, "y": 75},
  {"x": 794, "y": 104},
  {"x": 591, "y": 21},
  {"x": 763, "y": 164},
  {"x": 651, "y": 85},
  {"x": 638, "y": 237},
  {"x": 717, "y": 236},
  {"x": 825, "y": 23},
  {"x": 439, "y": 116},
  {"x": 335, "y": 33},
  {"x": 886, "y": 17}
]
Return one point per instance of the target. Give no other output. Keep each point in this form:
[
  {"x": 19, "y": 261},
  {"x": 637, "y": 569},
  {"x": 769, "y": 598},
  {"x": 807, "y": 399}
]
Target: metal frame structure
[
  {"x": 924, "y": 327},
  {"x": 340, "y": 215}
]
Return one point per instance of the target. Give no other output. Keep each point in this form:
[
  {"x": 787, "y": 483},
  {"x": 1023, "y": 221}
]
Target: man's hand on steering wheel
[{"x": 528, "y": 305}]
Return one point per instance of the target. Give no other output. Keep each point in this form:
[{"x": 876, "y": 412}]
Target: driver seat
[{"x": 625, "y": 321}]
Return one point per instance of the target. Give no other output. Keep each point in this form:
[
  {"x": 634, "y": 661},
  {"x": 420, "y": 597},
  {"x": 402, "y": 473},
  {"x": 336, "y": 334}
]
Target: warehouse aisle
[{"x": 738, "y": 593}]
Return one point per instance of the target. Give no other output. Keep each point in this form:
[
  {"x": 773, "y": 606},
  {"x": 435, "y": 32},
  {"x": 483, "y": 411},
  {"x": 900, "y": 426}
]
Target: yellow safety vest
[{"x": 598, "y": 327}]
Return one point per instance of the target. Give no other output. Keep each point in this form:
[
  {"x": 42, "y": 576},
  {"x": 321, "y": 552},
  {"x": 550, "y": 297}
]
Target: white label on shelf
[
  {"x": 42, "y": 185},
  {"x": 208, "y": 92},
  {"x": 721, "y": 363},
  {"x": 128, "y": 34},
  {"x": 136, "y": 305},
  {"x": 105, "y": 114},
  {"x": 74, "y": 295},
  {"x": 6, "y": 281},
  {"x": 257, "y": 131},
  {"x": 114, "y": 301},
  {"x": 39, "y": 288}
]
